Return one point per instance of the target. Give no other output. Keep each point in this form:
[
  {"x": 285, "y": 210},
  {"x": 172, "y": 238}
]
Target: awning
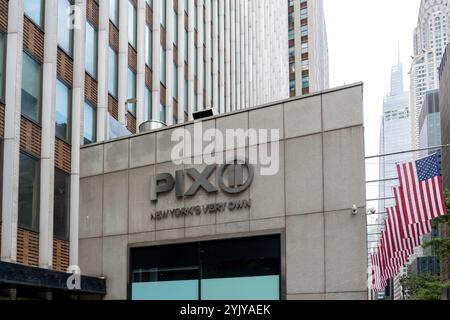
[{"x": 16, "y": 275}]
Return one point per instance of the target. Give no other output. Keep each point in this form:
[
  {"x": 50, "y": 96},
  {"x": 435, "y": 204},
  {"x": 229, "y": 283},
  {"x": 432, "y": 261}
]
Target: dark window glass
[
  {"x": 241, "y": 258},
  {"x": 31, "y": 88},
  {"x": 61, "y": 205},
  {"x": 28, "y": 192},
  {"x": 62, "y": 111},
  {"x": 166, "y": 263},
  {"x": 90, "y": 124}
]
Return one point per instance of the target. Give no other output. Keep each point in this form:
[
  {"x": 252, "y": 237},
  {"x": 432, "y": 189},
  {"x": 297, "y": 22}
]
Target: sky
[{"x": 364, "y": 38}]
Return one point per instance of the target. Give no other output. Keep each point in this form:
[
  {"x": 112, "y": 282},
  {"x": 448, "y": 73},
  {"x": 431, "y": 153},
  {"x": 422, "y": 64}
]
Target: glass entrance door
[{"x": 236, "y": 269}]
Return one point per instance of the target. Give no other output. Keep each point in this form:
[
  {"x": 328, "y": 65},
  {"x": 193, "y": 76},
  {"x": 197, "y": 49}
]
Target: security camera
[
  {"x": 354, "y": 210},
  {"x": 372, "y": 211}
]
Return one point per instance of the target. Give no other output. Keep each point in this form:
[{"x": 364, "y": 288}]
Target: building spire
[{"x": 398, "y": 52}]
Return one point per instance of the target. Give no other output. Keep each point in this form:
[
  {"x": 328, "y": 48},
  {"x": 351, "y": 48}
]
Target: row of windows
[
  {"x": 32, "y": 101},
  {"x": 29, "y": 193}
]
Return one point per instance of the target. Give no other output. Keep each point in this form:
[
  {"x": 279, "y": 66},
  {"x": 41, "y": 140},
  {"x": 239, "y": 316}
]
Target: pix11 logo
[{"x": 215, "y": 147}]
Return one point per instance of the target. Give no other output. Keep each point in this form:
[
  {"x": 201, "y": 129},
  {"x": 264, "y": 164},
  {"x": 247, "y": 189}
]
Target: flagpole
[{"x": 408, "y": 151}]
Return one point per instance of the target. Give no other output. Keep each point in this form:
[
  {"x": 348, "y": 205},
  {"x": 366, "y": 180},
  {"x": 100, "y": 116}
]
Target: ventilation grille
[
  {"x": 131, "y": 123},
  {"x": 30, "y": 137},
  {"x": 92, "y": 12},
  {"x": 90, "y": 90},
  {"x": 63, "y": 154},
  {"x": 132, "y": 58},
  {"x": 27, "y": 248},
  {"x": 2, "y": 120},
  {"x": 4, "y": 15},
  {"x": 113, "y": 36},
  {"x": 33, "y": 40},
  {"x": 61, "y": 257},
  {"x": 65, "y": 68},
  {"x": 113, "y": 107}
]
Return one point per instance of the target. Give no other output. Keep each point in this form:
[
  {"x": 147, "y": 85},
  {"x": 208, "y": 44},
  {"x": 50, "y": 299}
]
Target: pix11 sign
[{"x": 233, "y": 178}]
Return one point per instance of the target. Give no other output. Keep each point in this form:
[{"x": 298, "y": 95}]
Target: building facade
[
  {"x": 430, "y": 39},
  {"x": 430, "y": 123},
  {"x": 308, "y": 47},
  {"x": 444, "y": 107},
  {"x": 78, "y": 72},
  {"x": 158, "y": 226}
]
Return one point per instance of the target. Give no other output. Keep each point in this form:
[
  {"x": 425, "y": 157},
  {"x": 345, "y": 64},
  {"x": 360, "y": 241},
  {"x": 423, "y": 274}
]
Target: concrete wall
[{"x": 321, "y": 176}]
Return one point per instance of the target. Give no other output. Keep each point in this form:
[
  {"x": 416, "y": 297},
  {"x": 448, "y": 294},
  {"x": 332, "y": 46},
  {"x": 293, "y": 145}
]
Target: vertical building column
[
  {"x": 156, "y": 78},
  {"x": 123, "y": 62},
  {"x": 77, "y": 107},
  {"x": 191, "y": 57},
  {"x": 140, "y": 69},
  {"x": 11, "y": 143},
  {"x": 259, "y": 23},
  {"x": 238, "y": 53},
  {"x": 250, "y": 53},
  {"x": 298, "y": 50},
  {"x": 222, "y": 56},
  {"x": 246, "y": 55},
  {"x": 180, "y": 62},
  {"x": 208, "y": 44},
  {"x": 169, "y": 62},
  {"x": 242, "y": 51},
  {"x": 48, "y": 136},
  {"x": 254, "y": 58},
  {"x": 232, "y": 55},
  {"x": 200, "y": 62},
  {"x": 227, "y": 56},
  {"x": 103, "y": 56},
  {"x": 215, "y": 55}
]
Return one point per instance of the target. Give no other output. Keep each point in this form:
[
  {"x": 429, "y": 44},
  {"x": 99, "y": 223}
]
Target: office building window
[
  {"x": 148, "y": 46},
  {"x": 175, "y": 81},
  {"x": 162, "y": 56},
  {"x": 91, "y": 50},
  {"x": 2, "y": 65},
  {"x": 31, "y": 88},
  {"x": 112, "y": 72},
  {"x": 132, "y": 24},
  {"x": 90, "y": 124},
  {"x": 148, "y": 104},
  {"x": 175, "y": 28},
  {"x": 28, "y": 192},
  {"x": 63, "y": 111},
  {"x": 65, "y": 31},
  {"x": 114, "y": 11},
  {"x": 162, "y": 113},
  {"x": 61, "y": 202},
  {"x": 131, "y": 90},
  {"x": 34, "y": 9},
  {"x": 163, "y": 10}
]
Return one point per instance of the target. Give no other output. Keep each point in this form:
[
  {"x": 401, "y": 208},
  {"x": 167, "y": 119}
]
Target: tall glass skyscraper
[{"x": 395, "y": 136}]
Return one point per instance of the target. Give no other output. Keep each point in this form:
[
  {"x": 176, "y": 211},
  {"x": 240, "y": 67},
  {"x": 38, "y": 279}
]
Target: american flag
[
  {"x": 419, "y": 199},
  {"x": 421, "y": 192}
]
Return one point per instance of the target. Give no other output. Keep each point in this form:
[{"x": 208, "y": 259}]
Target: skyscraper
[
  {"x": 308, "y": 47},
  {"x": 395, "y": 136},
  {"x": 80, "y": 72},
  {"x": 430, "y": 39}
]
